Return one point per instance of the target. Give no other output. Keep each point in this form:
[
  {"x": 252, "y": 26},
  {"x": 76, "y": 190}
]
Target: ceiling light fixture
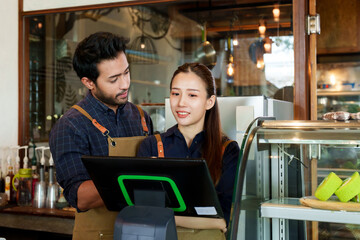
[
  {"x": 230, "y": 67},
  {"x": 260, "y": 64},
  {"x": 276, "y": 13},
  {"x": 262, "y": 28},
  {"x": 235, "y": 42},
  {"x": 267, "y": 45}
]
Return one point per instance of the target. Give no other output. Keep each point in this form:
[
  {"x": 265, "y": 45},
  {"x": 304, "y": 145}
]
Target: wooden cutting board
[{"x": 332, "y": 204}]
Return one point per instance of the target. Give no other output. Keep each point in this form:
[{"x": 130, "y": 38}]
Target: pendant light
[
  {"x": 262, "y": 28},
  {"x": 230, "y": 67},
  {"x": 267, "y": 45},
  {"x": 276, "y": 12},
  {"x": 142, "y": 49}
]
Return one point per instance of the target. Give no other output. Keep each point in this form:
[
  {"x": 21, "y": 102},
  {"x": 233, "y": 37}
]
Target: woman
[{"x": 198, "y": 135}]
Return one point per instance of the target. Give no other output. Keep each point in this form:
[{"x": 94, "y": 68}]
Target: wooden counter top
[
  {"x": 46, "y": 220},
  {"x": 39, "y": 211}
]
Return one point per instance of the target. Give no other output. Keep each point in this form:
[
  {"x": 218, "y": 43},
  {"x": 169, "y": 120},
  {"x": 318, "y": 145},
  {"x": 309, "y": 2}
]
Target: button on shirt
[
  {"x": 74, "y": 135},
  {"x": 175, "y": 146}
]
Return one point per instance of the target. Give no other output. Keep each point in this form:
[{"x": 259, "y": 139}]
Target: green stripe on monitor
[{"x": 121, "y": 179}]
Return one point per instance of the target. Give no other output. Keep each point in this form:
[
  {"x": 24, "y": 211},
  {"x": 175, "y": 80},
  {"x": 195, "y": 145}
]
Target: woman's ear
[
  {"x": 88, "y": 83},
  {"x": 210, "y": 102}
]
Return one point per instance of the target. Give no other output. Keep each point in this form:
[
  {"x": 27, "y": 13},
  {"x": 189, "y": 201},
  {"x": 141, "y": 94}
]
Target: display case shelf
[
  {"x": 302, "y": 141},
  {"x": 322, "y": 93},
  {"x": 283, "y": 161},
  {"x": 341, "y": 172},
  {"x": 291, "y": 208}
]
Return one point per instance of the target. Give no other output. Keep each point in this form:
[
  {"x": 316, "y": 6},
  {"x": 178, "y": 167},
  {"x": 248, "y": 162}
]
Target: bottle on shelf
[
  {"x": 42, "y": 164},
  {"x": 9, "y": 190},
  {"x": 16, "y": 170},
  {"x": 40, "y": 185},
  {"x": 25, "y": 159},
  {"x": 32, "y": 156},
  {"x": 2, "y": 180},
  {"x": 17, "y": 159},
  {"x": 53, "y": 189},
  {"x": 61, "y": 202},
  {"x": 23, "y": 191}
]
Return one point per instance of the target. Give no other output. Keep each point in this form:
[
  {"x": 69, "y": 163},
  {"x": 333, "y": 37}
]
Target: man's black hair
[{"x": 95, "y": 48}]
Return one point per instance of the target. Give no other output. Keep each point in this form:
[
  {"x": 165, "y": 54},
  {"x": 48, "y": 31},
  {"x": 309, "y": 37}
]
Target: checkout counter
[{"x": 31, "y": 223}]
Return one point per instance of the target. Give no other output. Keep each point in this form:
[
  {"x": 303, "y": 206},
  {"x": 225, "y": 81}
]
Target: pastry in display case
[
  {"x": 338, "y": 85},
  {"x": 298, "y": 180}
]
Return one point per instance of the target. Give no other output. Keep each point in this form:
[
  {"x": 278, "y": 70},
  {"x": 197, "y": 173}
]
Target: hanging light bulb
[
  {"x": 142, "y": 43},
  {"x": 235, "y": 42},
  {"x": 230, "y": 67},
  {"x": 260, "y": 61},
  {"x": 267, "y": 45},
  {"x": 262, "y": 28},
  {"x": 230, "y": 70},
  {"x": 276, "y": 13},
  {"x": 260, "y": 64}
]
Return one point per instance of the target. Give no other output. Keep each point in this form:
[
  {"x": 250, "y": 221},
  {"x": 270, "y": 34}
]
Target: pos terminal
[{"x": 148, "y": 192}]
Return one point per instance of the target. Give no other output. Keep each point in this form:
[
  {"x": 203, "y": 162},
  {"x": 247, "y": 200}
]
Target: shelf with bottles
[{"x": 26, "y": 182}]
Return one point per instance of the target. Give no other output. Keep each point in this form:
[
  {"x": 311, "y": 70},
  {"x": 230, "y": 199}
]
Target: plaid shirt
[
  {"x": 175, "y": 146},
  {"x": 74, "y": 135}
]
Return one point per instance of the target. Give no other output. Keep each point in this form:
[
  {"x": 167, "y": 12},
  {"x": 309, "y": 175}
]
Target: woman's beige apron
[{"x": 189, "y": 233}]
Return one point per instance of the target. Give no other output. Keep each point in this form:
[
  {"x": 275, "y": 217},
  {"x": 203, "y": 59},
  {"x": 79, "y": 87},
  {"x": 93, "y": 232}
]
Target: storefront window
[{"x": 162, "y": 37}]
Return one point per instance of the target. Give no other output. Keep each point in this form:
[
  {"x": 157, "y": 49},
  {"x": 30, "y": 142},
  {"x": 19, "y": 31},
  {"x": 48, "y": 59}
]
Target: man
[{"x": 101, "y": 64}]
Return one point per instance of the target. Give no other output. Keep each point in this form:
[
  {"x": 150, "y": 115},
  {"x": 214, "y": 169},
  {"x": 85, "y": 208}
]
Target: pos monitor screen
[{"x": 187, "y": 184}]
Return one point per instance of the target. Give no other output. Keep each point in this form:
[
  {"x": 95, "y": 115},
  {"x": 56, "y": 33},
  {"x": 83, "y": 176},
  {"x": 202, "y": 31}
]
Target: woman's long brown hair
[{"x": 212, "y": 146}]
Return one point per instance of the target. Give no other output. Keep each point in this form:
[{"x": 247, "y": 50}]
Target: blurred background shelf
[{"x": 337, "y": 93}]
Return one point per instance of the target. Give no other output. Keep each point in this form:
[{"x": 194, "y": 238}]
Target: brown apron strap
[
  {"x": 102, "y": 129},
  {"x": 80, "y": 109},
  {"x": 143, "y": 121},
  {"x": 225, "y": 145},
  {"x": 160, "y": 146}
]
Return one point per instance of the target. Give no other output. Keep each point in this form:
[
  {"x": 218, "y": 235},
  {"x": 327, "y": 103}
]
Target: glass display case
[
  {"x": 338, "y": 85},
  {"x": 283, "y": 162},
  {"x": 333, "y": 101}
]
